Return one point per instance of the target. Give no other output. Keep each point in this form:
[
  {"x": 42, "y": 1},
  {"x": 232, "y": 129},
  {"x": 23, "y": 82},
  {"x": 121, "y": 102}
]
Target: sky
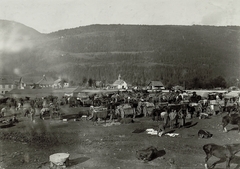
[{"x": 52, "y": 15}]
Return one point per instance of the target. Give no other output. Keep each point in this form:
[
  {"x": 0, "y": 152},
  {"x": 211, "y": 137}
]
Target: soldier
[
  {"x": 32, "y": 113},
  {"x": 111, "y": 110},
  {"x": 162, "y": 127},
  {"x": 92, "y": 112},
  {"x": 172, "y": 116},
  {"x": 183, "y": 115}
]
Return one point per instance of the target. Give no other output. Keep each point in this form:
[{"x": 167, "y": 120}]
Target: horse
[
  {"x": 44, "y": 111},
  {"x": 232, "y": 119},
  {"x": 224, "y": 153},
  {"x": 103, "y": 114}
]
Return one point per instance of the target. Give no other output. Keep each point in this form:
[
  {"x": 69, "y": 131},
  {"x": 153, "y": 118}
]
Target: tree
[
  {"x": 90, "y": 82},
  {"x": 84, "y": 80},
  {"x": 219, "y": 82}
]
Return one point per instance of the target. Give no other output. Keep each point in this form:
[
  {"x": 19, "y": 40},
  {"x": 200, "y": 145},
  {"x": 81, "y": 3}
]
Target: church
[{"x": 120, "y": 84}]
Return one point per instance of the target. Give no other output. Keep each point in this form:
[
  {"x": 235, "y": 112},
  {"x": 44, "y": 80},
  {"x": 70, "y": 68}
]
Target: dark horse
[
  {"x": 232, "y": 119},
  {"x": 224, "y": 153}
]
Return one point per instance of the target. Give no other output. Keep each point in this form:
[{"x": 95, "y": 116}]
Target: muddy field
[{"x": 28, "y": 145}]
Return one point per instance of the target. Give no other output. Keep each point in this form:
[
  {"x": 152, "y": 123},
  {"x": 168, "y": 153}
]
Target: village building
[
  {"x": 60, "y": 83},
  {"x": 120, "y": 84},
  {"x": 6, "y": 84},
  {"x": 36, "y": 82},
  {"x": 156, "y": 85}
]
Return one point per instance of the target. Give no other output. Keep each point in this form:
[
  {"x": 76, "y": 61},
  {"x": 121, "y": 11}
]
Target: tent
[
  {"x": 178, "y": 87},
  {"x": 89, "y": 92},
  {"x": 204, "y": 94},
  {"x": 232, "y": 94},
  {"x": 233, "y": 88}
]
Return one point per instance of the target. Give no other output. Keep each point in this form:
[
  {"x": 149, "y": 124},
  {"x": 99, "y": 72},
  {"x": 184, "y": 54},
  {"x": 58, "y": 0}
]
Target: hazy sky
[{"x": 52, "y": 15}]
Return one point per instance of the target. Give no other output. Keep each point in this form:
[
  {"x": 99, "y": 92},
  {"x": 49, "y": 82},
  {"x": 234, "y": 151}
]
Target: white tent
[{"x": 232, "y": 94}]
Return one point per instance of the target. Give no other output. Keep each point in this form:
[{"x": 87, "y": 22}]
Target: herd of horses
[{"x": 111, "y": 103}]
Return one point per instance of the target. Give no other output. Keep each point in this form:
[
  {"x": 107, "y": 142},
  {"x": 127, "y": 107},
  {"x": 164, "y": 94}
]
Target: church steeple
[{"x": 119, "y": 77}]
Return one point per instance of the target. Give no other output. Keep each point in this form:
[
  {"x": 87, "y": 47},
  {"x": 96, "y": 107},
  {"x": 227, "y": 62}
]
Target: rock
[{"x": 59, "y": 159}]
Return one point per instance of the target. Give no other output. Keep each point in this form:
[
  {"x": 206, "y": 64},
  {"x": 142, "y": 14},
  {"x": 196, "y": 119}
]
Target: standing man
[
  {"x": 32, "y": 113},
  {"x": 111, "y": 110},
  {"x": 162, "y": 127},
  {"x": 91, "y": 111},
  {"x": 172, "y": 116},
  {"x": 183, "y": 115}
]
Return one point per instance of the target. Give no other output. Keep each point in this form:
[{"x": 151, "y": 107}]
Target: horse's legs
[
  {"x": 219, "y": 161},
  {"x": 134, "y": 113},
  {"x": 206, "y": 160},
  {"x": 224, "y": 124},
  {"x": 228, "y": 162}
]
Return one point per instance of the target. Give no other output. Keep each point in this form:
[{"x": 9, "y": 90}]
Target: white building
[
  {"x": 120, "y": 84},
  {"x": 60, "y": 83}
]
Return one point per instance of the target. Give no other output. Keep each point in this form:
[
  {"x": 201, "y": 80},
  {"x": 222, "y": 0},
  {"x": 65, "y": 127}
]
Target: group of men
[{"x": 174, "y": 118}]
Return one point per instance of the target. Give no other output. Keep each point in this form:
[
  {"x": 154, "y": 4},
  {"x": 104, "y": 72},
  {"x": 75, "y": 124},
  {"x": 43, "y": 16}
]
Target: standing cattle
[
  {"x": 232, "y": 119},
  {"x": 224, "y": 153}
]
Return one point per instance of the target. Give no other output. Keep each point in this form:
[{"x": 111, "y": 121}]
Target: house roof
[
  {"x": 156, "y": 83},
  {"x": 57, "y": 81},
  {"x": 38, "y": 80}
]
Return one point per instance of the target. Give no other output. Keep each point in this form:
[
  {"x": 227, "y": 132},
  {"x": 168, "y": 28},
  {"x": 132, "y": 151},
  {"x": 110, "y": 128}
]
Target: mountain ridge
[{"x": 140, "y": 53}]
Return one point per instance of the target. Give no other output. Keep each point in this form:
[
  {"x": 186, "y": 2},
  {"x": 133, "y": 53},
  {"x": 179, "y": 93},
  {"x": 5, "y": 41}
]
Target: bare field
[{"x": 28, "y": 145}]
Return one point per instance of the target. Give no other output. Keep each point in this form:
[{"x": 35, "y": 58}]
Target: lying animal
[
  {"x": 224, "y": 153},
  {"x": 147, "y": 154},
  {"x": 232, "y": 119},
  {"x": 204, "y": 134}
]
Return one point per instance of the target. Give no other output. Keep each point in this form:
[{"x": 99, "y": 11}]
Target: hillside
[{"x": 195, "y": 54}]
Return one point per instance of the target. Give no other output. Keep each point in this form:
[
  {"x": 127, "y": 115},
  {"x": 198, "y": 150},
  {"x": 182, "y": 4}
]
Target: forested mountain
[{"x": 198, "y": 56}]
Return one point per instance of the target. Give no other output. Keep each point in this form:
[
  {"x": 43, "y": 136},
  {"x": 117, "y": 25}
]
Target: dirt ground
[{"x": 28, "y": 145}]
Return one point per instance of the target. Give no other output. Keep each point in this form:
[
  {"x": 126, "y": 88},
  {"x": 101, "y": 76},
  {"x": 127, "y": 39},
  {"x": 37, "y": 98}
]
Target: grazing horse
[
  {"x": 232, "y": 119},
  {"x": 224, "y": 153}
]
